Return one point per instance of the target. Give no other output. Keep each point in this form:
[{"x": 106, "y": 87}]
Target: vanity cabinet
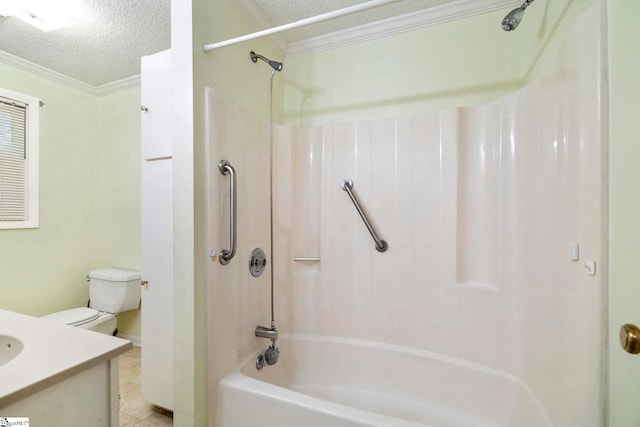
[
  {"x": 157, "y": 231},
  {"x": 89, "y": 397},
  {"x": 58, "y": 375}
]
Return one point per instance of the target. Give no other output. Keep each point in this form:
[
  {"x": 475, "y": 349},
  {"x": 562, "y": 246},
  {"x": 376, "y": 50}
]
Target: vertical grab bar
[
  {"x": 381, "y": 245},
  {"x": 226, "y": 168}
]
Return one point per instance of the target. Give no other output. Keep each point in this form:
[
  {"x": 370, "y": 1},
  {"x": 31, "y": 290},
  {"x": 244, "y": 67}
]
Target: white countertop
[{"x": 52, "y": 352}]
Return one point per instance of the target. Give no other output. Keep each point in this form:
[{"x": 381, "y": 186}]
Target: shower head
[
  {"x": 513, "y": 18},
  {"x": 277, "y": 66}
]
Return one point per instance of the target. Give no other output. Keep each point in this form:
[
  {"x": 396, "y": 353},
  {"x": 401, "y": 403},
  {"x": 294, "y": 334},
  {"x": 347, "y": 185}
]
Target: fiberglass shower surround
[
  {"x": 475, "y": 302},
  {"x": 480, "y": 206}
]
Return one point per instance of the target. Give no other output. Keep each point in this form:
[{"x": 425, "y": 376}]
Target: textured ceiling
[
  {"x": 111, "y": 35},
  {"x": 104, "y": 46}
]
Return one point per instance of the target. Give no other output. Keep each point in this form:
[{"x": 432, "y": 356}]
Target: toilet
[{"x": 111, "y": 291}]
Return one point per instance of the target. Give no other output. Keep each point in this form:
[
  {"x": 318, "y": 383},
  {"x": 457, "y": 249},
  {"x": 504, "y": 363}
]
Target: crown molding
[
  {"x": 411, "y": 21},
  {"x": 39, "y": 70},
  {"x": 118, "y": 85},
  {"x": 47, "y": 73}
]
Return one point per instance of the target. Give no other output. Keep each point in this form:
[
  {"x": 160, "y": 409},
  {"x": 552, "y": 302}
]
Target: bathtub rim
[{"x": 238, "y": 379}]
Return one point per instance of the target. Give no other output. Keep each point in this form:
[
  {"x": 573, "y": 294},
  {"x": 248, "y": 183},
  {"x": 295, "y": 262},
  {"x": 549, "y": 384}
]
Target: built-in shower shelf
[{"x": 306, "y": 259}]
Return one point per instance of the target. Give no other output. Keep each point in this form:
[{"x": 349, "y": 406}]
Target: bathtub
[{"x": 330, "y": 382}]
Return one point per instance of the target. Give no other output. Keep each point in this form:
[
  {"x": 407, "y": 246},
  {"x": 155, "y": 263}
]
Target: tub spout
[
  {"x": 264, "y": 332},
  {"x": 271, "y": 355}
]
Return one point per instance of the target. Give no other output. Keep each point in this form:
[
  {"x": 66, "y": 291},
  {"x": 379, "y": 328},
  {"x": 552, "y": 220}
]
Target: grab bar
[
  {"x": 381, "y": 245},
  {"x": 226, "y": 168}
]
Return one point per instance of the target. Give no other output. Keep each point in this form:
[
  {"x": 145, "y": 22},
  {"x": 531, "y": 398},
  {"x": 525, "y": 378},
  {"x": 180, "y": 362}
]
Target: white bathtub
[{"x": 328, "y": 382}]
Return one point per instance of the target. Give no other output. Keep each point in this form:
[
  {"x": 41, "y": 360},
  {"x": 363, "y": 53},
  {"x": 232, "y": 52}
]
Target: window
[{"x": 19, "y": 139}]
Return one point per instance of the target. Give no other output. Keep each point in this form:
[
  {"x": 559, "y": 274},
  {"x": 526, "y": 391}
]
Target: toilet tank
[{"x": 114, "y": 290}]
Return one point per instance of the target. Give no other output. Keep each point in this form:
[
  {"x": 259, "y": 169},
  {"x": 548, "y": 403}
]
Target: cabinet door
[
  {"x": 157, "y": 272},
  {"x": 155, "y": 91}
]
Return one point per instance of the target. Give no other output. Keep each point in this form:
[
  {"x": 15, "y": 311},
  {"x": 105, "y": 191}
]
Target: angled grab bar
[
  {"x": 381, "y": 245},
  {"x": 226, "y": 168}
]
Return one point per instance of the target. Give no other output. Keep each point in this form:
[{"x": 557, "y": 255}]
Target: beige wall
[
  {"x": 460, "y": 63},
  {"x": 89, "y": 198},
  {"x": 118, "y": 177}
]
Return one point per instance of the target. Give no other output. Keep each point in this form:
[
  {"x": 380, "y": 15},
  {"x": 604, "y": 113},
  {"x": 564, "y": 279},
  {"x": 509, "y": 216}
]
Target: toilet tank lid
[{"x": 114, "y": 274}]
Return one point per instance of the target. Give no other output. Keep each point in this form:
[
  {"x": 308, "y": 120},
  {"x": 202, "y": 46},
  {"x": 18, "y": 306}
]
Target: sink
[
  {"x": 9, "y": 348},
  {"x": 50, "y": 371}
]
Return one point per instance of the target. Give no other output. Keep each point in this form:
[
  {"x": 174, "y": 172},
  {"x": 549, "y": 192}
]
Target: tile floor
[{"x": 133, "y": 410}]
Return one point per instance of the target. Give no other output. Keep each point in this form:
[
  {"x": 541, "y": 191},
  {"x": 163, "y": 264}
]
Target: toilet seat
[{"x": 74, "y": 316}]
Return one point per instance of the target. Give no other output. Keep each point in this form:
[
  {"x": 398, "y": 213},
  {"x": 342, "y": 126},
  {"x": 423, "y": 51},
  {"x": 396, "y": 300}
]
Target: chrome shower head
[
  {"x": 513, "y": 18},
  {"x": 277, "y": 66}
]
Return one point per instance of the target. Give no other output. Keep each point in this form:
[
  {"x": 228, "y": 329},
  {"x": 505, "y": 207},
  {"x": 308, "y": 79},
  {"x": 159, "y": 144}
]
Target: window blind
[{"x": 13, "y": 125}]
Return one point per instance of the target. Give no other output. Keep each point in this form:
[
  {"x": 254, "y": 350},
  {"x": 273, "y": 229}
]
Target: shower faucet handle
[{"x": 257, "y": 262}]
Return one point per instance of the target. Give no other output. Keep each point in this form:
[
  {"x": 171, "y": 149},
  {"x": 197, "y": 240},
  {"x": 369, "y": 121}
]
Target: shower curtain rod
[{"x": 301, "y": 23}]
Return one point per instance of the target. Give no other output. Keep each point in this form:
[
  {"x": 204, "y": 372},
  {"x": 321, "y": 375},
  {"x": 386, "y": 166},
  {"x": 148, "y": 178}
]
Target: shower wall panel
[{"x": 237, "y": 301}]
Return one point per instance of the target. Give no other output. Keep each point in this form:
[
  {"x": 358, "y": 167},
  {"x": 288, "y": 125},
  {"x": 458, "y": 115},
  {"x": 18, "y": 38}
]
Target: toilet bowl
[{"x": 111, "y": 291}]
